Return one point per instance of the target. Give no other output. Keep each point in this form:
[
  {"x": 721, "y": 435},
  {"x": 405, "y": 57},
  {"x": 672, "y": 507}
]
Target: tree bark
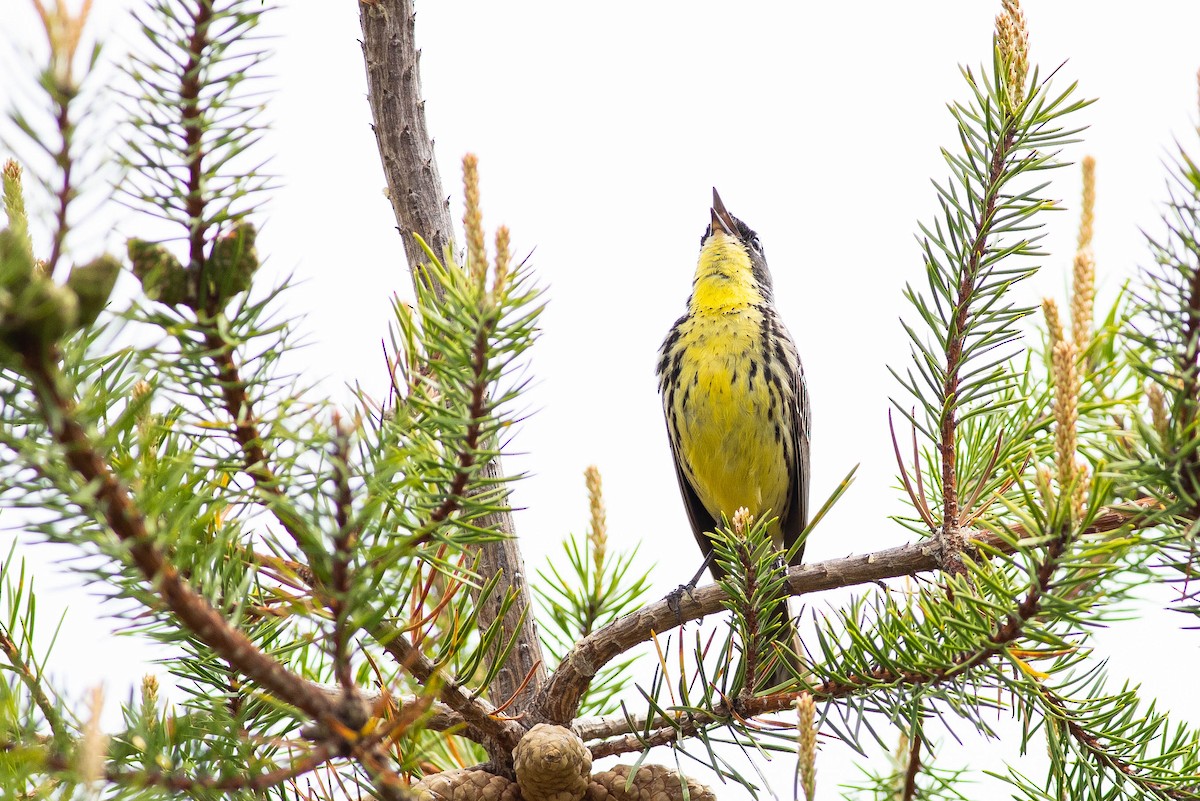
[{"x": 422, "y": 206}]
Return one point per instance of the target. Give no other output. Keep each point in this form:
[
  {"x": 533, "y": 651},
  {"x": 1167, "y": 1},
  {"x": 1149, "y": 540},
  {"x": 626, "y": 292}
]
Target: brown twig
[
  {"x": 246, "y": 434},
  {"x": 191, "y": 106},
  {"x": 33, "y": 684},
  {"x": 467, "y": 452},
  {"x": 913, "y": 768},
  {"x": 950, "y": 538},
  {"x": 343, "y": 551},
  {"x": 64, "y": 159}
]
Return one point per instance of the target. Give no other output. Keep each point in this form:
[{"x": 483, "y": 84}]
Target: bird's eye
[{"x": 755, "y": 245}]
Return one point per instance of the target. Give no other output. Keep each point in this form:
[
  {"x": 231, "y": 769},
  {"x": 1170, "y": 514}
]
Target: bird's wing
[
  {"x": 796, "y": 519},
  {"x": 699, "y": 517}
]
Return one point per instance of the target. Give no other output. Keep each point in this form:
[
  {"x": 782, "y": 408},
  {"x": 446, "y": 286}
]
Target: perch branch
[{"x": 559, "y": 700}]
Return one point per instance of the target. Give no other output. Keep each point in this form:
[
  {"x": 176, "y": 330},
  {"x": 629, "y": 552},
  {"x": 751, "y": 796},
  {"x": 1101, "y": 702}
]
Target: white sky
[{"x": 600, "y": 131}]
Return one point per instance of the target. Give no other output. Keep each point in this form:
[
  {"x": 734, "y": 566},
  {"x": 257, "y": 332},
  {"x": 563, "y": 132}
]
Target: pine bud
[
  {"x": 35, "y": 318},
  {"x": 56, "y": 311},
  {"x": 232, "y": 262},
  {"x": 163, "y": 277},
  {"x": 92, "y": 284},
  {"x": 16, "y": 260},
  {"x": 14, "y": 202}
]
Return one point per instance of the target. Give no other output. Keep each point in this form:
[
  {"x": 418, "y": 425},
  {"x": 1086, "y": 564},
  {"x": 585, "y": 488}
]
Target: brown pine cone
[
  {"x": 552, "y": 764},
  {"x": 650, "y": 783},
  {"x": 466, "y": 785}
]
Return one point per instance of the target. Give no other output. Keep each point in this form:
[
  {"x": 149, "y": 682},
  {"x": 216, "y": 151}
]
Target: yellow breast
[{"x": 724, "y": 415}]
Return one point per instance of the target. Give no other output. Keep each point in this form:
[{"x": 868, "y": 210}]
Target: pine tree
[{"x": 344, "y": 587}]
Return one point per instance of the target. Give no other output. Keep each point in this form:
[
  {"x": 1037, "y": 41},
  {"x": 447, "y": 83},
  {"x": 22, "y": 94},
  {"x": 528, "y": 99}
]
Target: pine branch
[
  {"x": 467, "y": 453},
  {"x": 196, "y": 195},
  {"x": 126, "y": 522},
  {"x": 966, "y": 315},
  {"x": 153, "y": 778},
  {"x": 65, "y": 160},
  {"x": 33, "y": 684},
  {"x": 1007, "y": 632},
  {"x": 246, "y": 433},
  {"x": 559, "y": 700},
  {"x": 951, "y": 542},
  {"x": 1093, "y": 746}
]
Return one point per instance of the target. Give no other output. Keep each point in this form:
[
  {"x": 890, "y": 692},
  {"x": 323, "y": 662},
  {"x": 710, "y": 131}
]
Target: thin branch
[
  {"x": 125, "y": 520},
  {"x": 1007, "y": 632},
  {"x": 467, "y": 452},
  {"x": 343, "y": 552},
  {"x": 246, "y": 433},
  {"x": 912, "y": 769},
  {"x": 182, "y": 783},
  {"x": 951, "y": 540},
  {"x": 190, "y": 105},
  {"x": 494, "y": 732},
  {"x": 33, "y": 683},
  {"x": 65, "y": 161},
  {"x": 559, "y": 700}
]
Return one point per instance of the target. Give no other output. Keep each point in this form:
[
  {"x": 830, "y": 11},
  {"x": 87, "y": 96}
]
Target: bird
[{"x": 736, "y": 401}]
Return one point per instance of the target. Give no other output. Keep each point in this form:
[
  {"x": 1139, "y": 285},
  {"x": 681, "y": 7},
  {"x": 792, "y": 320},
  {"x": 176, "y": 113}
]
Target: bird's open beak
[{"x": 721, "y": 218}]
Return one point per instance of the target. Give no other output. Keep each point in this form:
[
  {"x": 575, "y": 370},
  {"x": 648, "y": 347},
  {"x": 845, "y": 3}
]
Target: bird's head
[{"x": 727, "y": 236}]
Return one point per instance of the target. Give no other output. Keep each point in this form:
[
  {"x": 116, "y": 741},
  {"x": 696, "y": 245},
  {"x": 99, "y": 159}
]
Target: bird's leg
[
  {"x": 691, "y": 585},
  {"x": 676, "y": 595}
]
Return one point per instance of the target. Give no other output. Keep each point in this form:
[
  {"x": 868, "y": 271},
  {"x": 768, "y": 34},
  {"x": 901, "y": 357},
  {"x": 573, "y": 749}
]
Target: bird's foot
[{"x": 675, "y": 600}]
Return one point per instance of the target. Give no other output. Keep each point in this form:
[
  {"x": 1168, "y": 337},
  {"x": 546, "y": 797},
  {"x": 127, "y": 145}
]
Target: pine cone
[
  {"x": 552, "y": 764},
  {"x": 650, "y": 783},
  {"x": 466, "y": 785}
]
